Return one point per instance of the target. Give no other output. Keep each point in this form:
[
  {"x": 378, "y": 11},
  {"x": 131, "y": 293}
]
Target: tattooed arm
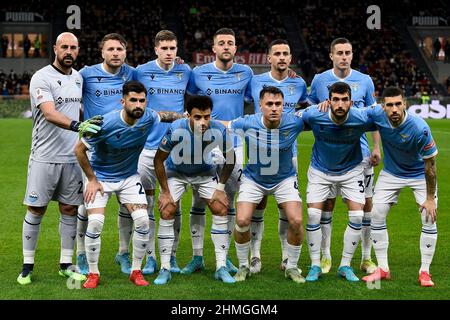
[
  {"x": 431, "y": 179},
  {"x": 169, "y": 116}
]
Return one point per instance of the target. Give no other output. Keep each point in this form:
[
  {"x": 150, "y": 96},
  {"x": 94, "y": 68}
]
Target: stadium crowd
[
  {"x": 385, "y": 58},
  {"x": 14, "y": 84}
]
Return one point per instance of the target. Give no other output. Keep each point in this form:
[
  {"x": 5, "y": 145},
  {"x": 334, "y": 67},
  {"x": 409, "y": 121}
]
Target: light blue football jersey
[
  {"x": 362, "y": 93},
  {"x": 294, "y": 90},
  {"x": 268, "y": 151},
  {"x": 190, "y": 153},
  {"x": 102, "y": 90},
  {"x": 227, "y": 89},
  {"x": 405, "y": 146},
  {"x": 116, "y": 148},
  {"x": 165, "y": 92},
  {"x": 337, "y": 148}
]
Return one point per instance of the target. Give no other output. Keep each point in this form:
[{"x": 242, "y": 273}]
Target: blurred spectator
[
  {"x": 37, "y": 47},
  {"x": 447, "y": 51},
  {"x": 5, "y": 42},
  {"x": 26, "y": 46},
  {"x": 436, "y": 48},
  {"x": 448, "y": 85}
]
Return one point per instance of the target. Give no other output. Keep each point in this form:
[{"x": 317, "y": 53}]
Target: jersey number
[
  {"x": 295, "y": 185},
  {"x": 80, "y": 190},
  {"x": 141, "y": 188},
  {"x": 361, "y": 185},
  {"x": 240, "y": 175},
  {"x": 368, "y": 178}
]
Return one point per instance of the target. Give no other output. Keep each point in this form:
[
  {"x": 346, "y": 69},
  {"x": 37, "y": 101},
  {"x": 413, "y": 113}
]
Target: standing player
[
  {"x": 53, "y": 172},
  {"x": 102, "y": 91},
  {"x": 166, "y": 84},
  {"x": 113, "y": 169},
  {"x": 362, "y": 95},
  {"x": 294, "y": 92},
  {"x": 187, "y": 147},
  {"x": 409, "y": 161},
  {"x": 269, "y": 140},
  {"x": 227, "y": 83},
  {"x": 336, "y": 162}
]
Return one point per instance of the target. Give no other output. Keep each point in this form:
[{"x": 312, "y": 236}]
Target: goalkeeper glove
[{"x": 92, "y": 125}]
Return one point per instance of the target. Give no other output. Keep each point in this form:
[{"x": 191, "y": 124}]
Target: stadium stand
[{"x": 383, "y": 53}]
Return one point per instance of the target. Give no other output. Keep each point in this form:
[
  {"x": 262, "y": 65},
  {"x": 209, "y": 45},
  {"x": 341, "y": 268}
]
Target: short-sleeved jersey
[
  {"x": 190, "y": 153},
  {"x": 50, "y": 143},
  {"x": 116, "y": 148},
  {"x": 102, "y": 90},
  {"x": 361, "y": 84},
  {"x": 294, "y": 90},
  {"x": 227, "y": 89},
  {"x": 269, "y": 151},
  {"x": 362, "y": 93},
  {"x": 165, "y": 92},
  {"x": 337, "y": 148},
  {"x": 405, "y": 146}
]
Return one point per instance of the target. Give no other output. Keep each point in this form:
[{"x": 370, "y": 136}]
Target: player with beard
[
  {"x": 53, "y": 171},
  {"x": 336, "y": 162},
  {"x": 113, "y": 169}
]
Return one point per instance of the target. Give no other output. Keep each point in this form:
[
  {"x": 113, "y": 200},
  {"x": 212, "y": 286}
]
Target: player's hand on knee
[
  {"x": 324, "y": 105},
  {"x": 91, "y": 190},
  {"x": 219, "y": 196},
  {"x": 430, "y": 210},
  {"x": 165, "y": 201}
]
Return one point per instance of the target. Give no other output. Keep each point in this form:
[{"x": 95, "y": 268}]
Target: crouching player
[
  {"x": 269, "y": 139},
  {"x": 113, "y": 169},
  {"x": 187, "y": 147}
]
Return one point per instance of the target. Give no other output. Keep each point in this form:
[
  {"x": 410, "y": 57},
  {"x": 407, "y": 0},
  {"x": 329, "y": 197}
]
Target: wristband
[
  {"x": 74, "y": 125},
  {"x": 220, "y": 186}
]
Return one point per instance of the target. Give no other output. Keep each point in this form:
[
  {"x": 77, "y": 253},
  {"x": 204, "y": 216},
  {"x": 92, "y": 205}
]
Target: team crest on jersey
[
  {"x": 291, "y": 90},
  {"x": 179, "y": 75},
  {"x": 354, "y": 86},
  {"x": 33, "y": 196},
  {"x": 238, "y": 76},
  {"x": 78, "y": 83},
  {"x": 39, "y": 94},
  {"x": 286, "y": 133},
  {"x": 59, "y": 82},
  {"x": 404, "y": 137}
]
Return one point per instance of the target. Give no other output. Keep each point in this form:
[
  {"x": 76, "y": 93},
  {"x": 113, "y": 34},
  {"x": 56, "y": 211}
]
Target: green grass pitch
[{"x": 403, "y": 224}]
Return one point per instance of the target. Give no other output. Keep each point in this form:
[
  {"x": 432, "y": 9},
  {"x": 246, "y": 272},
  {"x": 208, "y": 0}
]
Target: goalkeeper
[{"x": 53, "y": 170}]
